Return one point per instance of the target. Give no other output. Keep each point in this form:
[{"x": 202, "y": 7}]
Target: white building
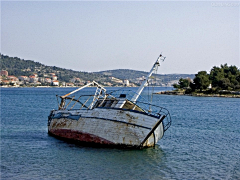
[
  {"x": 33, "y": 79},
  {"x": 48, "y": 80},
  {"x": 23, "y": 78},
  {"x": 54, "y": 77},
  {"x": 55, "y": 83},
  {"x": 126, "y": 82},
  {"x": 41, "y": 79}
]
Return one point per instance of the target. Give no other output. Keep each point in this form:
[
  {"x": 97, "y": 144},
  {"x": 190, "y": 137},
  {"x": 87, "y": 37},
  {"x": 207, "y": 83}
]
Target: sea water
[{"x": 202, "y": 143}]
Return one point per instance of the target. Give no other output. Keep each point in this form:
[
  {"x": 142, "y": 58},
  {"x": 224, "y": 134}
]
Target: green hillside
[{"x": 20, "y": 67}]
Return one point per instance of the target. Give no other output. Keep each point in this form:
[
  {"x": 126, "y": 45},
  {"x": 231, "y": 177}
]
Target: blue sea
[{"x": 202, "y": 143}]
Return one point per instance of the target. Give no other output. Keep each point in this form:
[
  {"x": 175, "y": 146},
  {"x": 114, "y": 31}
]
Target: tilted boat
[{"x": 117, "y": 118}]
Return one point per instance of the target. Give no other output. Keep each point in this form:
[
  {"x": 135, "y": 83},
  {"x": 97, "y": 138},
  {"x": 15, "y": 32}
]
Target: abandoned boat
[{"x": 119, "y": 118}]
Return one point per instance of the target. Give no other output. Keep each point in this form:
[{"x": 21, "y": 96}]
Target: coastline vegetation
[{"x": 221, "y": 81}]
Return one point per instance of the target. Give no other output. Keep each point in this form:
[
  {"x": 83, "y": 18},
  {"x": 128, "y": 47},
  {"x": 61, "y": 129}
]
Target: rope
[{"x": 153, "y": 85}]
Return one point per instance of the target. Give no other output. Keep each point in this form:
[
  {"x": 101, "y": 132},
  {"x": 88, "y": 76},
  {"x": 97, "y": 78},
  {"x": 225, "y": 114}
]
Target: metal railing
[
  {"x": 145, "y": 105},
  {"x": 88, "y": 102}
]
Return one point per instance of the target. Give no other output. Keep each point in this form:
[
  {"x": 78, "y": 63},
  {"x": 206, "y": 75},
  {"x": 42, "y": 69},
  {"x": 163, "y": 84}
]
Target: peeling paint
[
  {"x": 118, "y": 130},
  {"x": 79, "y": 136}
]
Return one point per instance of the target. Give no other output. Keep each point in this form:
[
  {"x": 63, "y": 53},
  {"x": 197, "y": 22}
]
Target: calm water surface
[{"x": 202, "y": 143}]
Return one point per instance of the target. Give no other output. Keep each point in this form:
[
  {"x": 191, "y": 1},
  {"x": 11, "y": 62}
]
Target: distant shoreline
[
  {"x": 73, "y": 86},
  {"x": 197, "y": 94}
]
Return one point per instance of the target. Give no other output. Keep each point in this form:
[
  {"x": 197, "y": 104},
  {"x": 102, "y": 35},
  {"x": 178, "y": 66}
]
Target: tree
[
  {"x": 238, "y": 78},
  {"x": 225, "y": 84},
  {"x": 216, "y": 74},
  {"x": 182, "y": 83},
  {"x": 176, "y": 86},
  {"x": 225, "y": 77},
  {"x": 201, "y": 80}
]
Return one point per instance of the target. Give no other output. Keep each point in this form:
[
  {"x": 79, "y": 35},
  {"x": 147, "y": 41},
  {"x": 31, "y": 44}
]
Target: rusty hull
[{"x": 105, "y": 126}]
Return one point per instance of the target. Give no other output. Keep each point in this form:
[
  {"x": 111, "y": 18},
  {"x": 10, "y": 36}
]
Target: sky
[{"x": 105, "y": 35}]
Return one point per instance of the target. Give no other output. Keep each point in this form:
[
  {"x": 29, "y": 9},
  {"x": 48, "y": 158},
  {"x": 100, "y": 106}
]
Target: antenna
[{"x": 161, "y": 57}]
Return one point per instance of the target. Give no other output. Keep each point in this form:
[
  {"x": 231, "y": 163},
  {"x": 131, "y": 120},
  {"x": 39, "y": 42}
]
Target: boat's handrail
[
  {"x": 85, "y": 103},
  {"x": 89, "y": 101},
  {"x": 156, "y": 111},
  {"x": 148, "y": 108}
]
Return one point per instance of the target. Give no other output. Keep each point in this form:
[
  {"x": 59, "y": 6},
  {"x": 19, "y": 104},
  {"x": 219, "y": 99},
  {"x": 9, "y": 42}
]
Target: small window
[{"x": 122, "y": 96}]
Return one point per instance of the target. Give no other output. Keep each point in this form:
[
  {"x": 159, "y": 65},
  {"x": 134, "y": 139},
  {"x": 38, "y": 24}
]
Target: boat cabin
[{"x": 120, "y": 102}]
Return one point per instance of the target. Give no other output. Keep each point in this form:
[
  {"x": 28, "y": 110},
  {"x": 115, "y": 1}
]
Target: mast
[{"x": 140, "y": 89}]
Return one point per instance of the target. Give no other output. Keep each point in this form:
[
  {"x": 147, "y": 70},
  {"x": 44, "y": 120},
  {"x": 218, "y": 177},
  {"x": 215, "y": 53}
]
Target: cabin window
[
  {"x": 106, "y": 103},
  {"x": 98, "y": 103},
  {"x": 122, "y": 95}
]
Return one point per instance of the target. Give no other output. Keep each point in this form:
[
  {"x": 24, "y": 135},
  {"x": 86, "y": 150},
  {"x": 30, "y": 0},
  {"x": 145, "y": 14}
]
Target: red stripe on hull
[{"x": 79, "y": 136}]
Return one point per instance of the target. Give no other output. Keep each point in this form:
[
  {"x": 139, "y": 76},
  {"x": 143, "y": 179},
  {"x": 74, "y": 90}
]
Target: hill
[
  {"x": 20, "y": 67},
  {"x": 135, "y": 76}
]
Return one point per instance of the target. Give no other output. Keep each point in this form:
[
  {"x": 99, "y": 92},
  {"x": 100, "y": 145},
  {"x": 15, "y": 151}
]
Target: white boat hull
[{"x": 106, "y": 126}]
